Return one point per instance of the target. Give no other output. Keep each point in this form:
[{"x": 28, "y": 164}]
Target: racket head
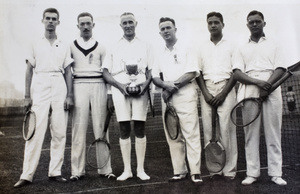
[
  {"x": 172, "y": 122},
  {"x": 250, "y": 108},
  {"x": 29, "y": 124},
  {"x": 98, "y": 153},
  {"x": 215, "y": 157}
]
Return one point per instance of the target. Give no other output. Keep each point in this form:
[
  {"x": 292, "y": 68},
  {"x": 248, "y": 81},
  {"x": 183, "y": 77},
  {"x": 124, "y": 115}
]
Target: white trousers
[
  {"x": 87, "y": 96},
  {"x": 227, "y": 130},
  {"x": 272, "y": 119},
  {"x": 187, "y": 145},
  {"x": 48, "y": 91}
]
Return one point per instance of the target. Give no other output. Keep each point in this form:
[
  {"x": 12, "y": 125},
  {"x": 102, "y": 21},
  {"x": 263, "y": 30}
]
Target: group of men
[{"x": 85, "y": 77}]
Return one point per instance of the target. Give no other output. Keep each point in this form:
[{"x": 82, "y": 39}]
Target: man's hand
[
  {"x": 264, "y": 85},
  {"x": 110, "y": 103},
  {"x": 122, "y": 88},
  {"x": 144, "y": 87},
  {"x": 27, "y": 103},
  {"x": 166, "y": 95},
  {"x": 170, "y": 87},
  {"x": 69, "y": 103},
  {"x": 218, "y": 100},
  {"x": 263, "y": 94}
]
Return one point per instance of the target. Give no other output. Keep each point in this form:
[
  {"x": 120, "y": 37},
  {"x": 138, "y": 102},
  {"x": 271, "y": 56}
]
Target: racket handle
[
  {"x": 213, "y": 122},
  {"x": 284, "y": 77}
]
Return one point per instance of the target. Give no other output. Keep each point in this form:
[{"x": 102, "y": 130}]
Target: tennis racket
[
  {"x": 29, "y": 124},
  {"x": 215, "y": 156},
  {"x": 172, "y": 122},
  {"x": 100, "y": 148},
  {"x": 252, "y": 106},
  {"x": 171, "y": 118}
]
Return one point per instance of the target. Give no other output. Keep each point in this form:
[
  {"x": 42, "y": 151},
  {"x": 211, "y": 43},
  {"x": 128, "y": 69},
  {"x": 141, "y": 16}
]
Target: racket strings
[
  {"x": 246, "y": 112},
  {"x": 98, "y": 154}
]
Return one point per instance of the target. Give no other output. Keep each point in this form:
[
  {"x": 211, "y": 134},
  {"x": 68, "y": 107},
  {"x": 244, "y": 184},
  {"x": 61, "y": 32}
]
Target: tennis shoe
[
  {"x": 76, "y": 178},
  {"x": 278, "y": 180},
  {"x": 143, "y": 176},
  {"x": 22, "y": 183},
  {"x": 177, "y": 177},
  {"x": 109, "y": 175},
  {"x": 249, "y": 180},
  {"x": 124, "y": 176},
  {"x": 196, "y": 178}
]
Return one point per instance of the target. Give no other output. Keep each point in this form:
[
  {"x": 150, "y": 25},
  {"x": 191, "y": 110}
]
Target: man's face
[
  {"x": 128, "y": 25},
  {"x": 50, "y": 21},
  {"x": 85, "y": 25},
  {"x": 215, "y": 26},
  {"x": 167, "y": 30},
  {"x": 255, "y": 24}
]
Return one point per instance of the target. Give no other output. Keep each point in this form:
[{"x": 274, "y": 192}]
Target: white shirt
[
  {"x": 124, "y": 50},
  {"x": 88, "y": 57},
  {"x": 260, "y": 56},
  {"x": 45, "y": 57},
  {"x": 215, "y": 61},
  {"x": 173, "y": 64}
]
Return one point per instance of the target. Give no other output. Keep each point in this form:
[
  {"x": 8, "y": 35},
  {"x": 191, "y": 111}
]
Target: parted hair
[
  {"x": 165, "y": 19},
  {"x": 51, "y": 10}
]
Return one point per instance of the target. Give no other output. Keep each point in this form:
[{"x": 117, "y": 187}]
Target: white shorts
[{"x": 129, "y": 108}]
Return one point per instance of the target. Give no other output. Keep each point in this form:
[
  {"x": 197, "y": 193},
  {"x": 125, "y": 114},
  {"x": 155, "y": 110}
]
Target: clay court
[{"x": 157, "y": 164}]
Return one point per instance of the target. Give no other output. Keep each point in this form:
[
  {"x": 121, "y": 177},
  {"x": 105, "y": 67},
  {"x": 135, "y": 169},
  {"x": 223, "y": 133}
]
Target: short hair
[
  {"x": 166, "y": 19},
  {"x": 127, "y": 13},
  {"x": 51, "y": 10},
  {"x": 254, "y": 12},
  {"x": 217, "y": 14},
  {"x": 83, "y": 14}
]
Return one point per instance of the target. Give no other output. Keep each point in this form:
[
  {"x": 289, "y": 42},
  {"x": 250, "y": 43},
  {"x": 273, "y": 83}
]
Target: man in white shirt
[
  {"x": 90, "y": 93},
  {"x": 258, "y": 64},
  {"x": 179, "y": 66},
  {"x": 130, "y": 61},
  {"x": 216, "y": 83},
  {"x": 48, "y": 85}
]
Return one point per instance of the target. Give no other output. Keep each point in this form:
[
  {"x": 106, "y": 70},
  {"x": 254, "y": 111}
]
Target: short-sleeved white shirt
[
  {"x": 173, "y": 64},
  {"x": 124, "y": 50},
  {"x": 45, "y": 57},
  {"x": 260, "y": 56},
  {"x": 215, "y": 61},
  {"x": 88, "y": 57}
]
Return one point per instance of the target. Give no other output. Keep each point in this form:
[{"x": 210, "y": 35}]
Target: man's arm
[
  {"x": 277, "y": 74},
  {"x": 69, "y": 102},
  {"x": 145, "y": 84},
  {"x": 245, "y": 79},
  {"x": 201, "y": 83},
  {"x": 109, "y": 79},
  {"x": 220, "y": 98},
  {"x": 28, "y": 80}
]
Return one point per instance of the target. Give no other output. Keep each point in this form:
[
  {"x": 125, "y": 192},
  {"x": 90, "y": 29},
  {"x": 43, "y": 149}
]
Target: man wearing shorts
[
  {"x": 130, "y": 60},
  {"x": 90, "y": 93},
  {"x": 48, "y": 85},
  {"x": 179, "y": 68},
  {"x": 258, "y": 64},
  {"x": 216, "y": 83}
]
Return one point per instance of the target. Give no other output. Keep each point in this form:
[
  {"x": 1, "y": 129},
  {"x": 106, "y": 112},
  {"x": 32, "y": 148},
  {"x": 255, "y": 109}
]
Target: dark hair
[
  {"x": 83, "y": 14},
  {"x": 217, "y": 14},
  {"x": 254, "y": 12},
  {"x": 51, "y": 10},
  {"x": 165, "y": 19},
  {"x": 127, "y": 13}
]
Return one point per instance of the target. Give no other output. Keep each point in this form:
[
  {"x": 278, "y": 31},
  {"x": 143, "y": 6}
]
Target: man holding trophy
[{"x": 127, "y": 68}]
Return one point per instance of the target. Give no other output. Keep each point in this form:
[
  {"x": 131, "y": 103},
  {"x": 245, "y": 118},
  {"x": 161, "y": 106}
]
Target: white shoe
[
  {"x": 248, "y": 180},
  {"x": 124, "y": 176},
  {"x": 278, "y": 180},
  {"x": 143, "y": 176}
]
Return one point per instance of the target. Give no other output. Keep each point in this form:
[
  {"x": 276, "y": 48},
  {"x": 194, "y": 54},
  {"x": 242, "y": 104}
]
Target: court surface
[{"x": 157, "y": 165}]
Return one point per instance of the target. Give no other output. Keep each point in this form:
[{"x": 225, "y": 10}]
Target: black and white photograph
[{"x": 149, "y": 96}]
